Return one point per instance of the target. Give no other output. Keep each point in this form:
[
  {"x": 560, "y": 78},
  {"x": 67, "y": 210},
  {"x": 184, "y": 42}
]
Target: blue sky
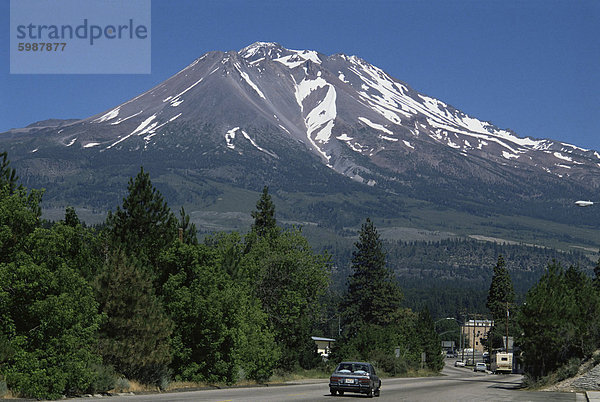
[{"x": 530, "y": 66}]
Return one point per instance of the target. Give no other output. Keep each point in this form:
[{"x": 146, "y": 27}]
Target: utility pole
[
  {"x": 474, "y": 329},
  {"x": 462, "y": 335},
  {"x": 507, "y": 314},
  {"x": 473, "y": 346},
  {"x": 460, "y": 345}
]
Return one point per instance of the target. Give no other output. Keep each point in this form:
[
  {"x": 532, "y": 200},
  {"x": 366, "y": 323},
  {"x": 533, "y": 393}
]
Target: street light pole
[{"x": 459, "y": 330}]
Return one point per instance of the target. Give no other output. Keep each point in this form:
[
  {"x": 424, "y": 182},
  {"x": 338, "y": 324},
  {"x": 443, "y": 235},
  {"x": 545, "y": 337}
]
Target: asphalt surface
[{"x": 455, "y": 384}]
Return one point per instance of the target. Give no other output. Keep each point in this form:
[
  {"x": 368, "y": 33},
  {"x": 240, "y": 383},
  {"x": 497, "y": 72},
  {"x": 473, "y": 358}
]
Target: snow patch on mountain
[
  {"x": 387, "y": 102},
  {"x": 140, "y": 130},
  {"x": 175, "y": 100},
  {"x": 320, "y": 120},
  {"x": 107, "y": 116},
  {"x": 245, "y": 134},
  {"x": 284, "y": 129},
  {"x": 91, "y": 144},
  {"x": 230, "y": 136},
  {"x": 574, "y": 147},
  {"x": 563, "y": 157},
  {"x": 151, "y": 131},
  {"x": 298, "y": 57},
  {"x": 114, "y": 123},
  {"x": 375, "y": 126},
  {"x": 305, "y": 87},
  {"x": 508, "y": 155},
  {"x": 246, "y": 78}
]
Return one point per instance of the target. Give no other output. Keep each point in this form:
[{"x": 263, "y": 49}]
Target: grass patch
[{"x": 317, "y": 373}]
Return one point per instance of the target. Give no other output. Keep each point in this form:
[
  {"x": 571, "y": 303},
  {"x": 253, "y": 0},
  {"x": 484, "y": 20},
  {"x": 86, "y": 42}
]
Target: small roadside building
[{"x": 323, "y": 345}]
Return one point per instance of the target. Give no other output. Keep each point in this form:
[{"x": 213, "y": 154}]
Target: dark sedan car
[{"x": 355, "y": 377}]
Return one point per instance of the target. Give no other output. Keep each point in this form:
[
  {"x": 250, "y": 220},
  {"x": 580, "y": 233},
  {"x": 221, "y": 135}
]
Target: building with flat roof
[{"x": 475, "y": 333}]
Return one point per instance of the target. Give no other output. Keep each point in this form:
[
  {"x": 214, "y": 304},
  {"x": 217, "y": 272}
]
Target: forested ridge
[{"x": 452, "y": 276}]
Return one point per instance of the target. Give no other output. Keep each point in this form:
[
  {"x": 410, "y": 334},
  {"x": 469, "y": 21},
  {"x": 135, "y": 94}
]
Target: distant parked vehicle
[
  {"x": 480, "y": 367},
  {"x": 355, "y": 377},
  {"x": 451, "y": 353},
  {"x": 459, "y": 363}
]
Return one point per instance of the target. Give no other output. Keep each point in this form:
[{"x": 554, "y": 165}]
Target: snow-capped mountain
[{"x": 265, "y": 111}]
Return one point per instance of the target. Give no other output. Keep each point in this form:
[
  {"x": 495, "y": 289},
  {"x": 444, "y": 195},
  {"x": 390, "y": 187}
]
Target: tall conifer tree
[
  {"x": 264, "y": 216},
  {"x": 136, "y": 334},
  {"x": 188, "y": 230},
  {"x": 144, "y": 225},
  {"x": 501, "y": 291},
  {"x": 500, "y": 302},
  {"x": 8, "y": 175},
  {"x": 373, "y": 296}
]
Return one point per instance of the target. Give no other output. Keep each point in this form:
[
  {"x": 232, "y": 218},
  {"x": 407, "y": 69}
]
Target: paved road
[{"x": 457, "y": 384}]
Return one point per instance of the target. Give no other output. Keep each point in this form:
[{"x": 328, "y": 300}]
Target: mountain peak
[{"x": 262, "y": 49}]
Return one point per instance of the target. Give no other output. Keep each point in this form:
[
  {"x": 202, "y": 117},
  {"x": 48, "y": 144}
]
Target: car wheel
[
  {"x": 341, "y": 393},
  {"x": 333, "y": 392},
  {"x": 377, "y": 392},
  {"x": 370, "y": 393}
]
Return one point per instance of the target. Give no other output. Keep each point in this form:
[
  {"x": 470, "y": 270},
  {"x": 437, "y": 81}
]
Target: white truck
[{"x": 501, "y": 362}]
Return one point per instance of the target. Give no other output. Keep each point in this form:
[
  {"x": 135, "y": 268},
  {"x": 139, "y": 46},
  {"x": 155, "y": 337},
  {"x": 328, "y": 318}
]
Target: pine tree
[
  {"x": 71, "y": 218},
  {"x": 500, "y": 301},
  {"x": 8, "y": 176},
  {"x": 430, "y": 341},
  {"x": 136, "y": 334},
  {"x": 373, "y": 297},
  {"x": 145, "y": 225},
  {"x": 187, "y": 229},
  {"x": 501, "y": 291},
  {"x": 264, "y": 216}
]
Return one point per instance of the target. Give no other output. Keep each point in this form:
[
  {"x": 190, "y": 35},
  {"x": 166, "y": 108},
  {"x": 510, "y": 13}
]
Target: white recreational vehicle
[{"x": 501, "y": 362}]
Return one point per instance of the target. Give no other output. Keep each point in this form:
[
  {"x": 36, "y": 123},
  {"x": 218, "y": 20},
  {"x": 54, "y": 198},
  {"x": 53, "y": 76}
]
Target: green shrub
[
  {"x": 528, "y": 381},
  {"x": 122, "y": 385},
  {"x": 3, "y": 388},
  {"x": 390, "y": 364},
  {"x": 568, "y": 370},
  {"x": 104, "y": 378}
]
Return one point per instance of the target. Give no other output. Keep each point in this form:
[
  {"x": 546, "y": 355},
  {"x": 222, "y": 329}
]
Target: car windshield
[{"x": 352, "y": 368}]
